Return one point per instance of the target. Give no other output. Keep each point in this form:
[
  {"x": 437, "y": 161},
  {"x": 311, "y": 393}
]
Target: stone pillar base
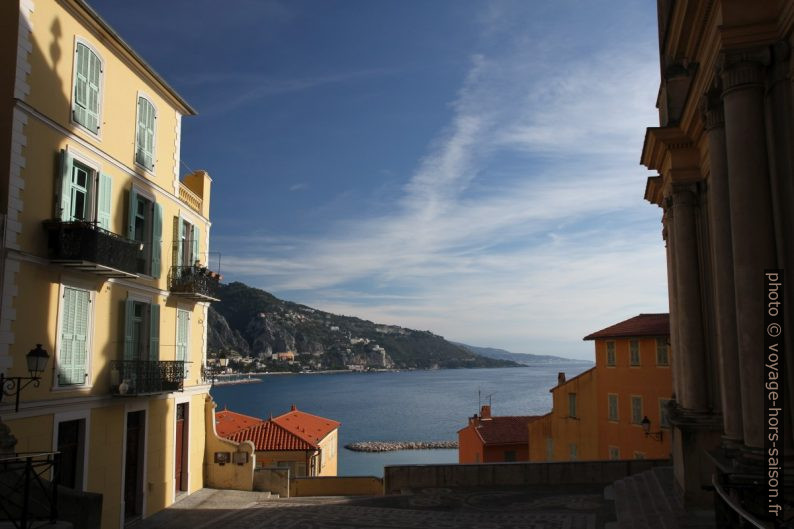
[{"x": 694, "y": 435}]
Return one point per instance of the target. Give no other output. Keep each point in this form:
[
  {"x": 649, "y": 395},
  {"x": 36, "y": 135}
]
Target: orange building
[
  {"x": 488, "y": 439},
  {"x": 599, "y": 414},
  {"x": 300, "y": 441}
]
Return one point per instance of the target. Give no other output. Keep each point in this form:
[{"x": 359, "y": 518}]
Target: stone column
[
  {"x": 751, "y": 225},
  {"x": 667, "y": 234},
  {"x": 722, "y": 273},
  {"x": 691, "y": 354}
]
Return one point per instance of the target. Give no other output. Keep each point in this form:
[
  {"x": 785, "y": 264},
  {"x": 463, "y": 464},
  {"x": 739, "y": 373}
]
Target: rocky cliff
[{"x": 265, "y": 332}]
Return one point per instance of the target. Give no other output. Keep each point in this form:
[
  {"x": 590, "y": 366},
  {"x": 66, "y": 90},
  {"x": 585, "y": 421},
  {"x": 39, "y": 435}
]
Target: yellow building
[{"x": 103, "y": 263}]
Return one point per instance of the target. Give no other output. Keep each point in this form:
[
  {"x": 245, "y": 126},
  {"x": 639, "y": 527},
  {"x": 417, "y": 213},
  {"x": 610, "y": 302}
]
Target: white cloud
[{"x": 524, "y": 225}]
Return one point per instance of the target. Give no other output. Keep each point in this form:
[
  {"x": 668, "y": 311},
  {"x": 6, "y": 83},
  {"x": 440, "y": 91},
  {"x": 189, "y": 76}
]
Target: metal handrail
[
  {"x": 24, "y": 466},
  {"x": 736, "y": 507}
]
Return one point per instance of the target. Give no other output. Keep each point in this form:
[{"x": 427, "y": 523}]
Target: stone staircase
[{"x": 651, "y": 500}]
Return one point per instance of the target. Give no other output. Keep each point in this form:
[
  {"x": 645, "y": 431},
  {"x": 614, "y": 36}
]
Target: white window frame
[
  {"x": 80, "y": 40},
  {"x": 189, "y": 310},
  {"x": 639, "y": 353},
  {"x": 76, "y": 284},
  {"x": 617, "y": 407},
  {"x": 96, "y": 167},
  {"x": 638, "y": 422},
  {"x": 664, "y": 342},
  {"x": 152, "y": 172},
  {"x": 573, "y": 452},
  {"x": 614, "y": 453},
  {"x": 662, "y": 413},
  {"x": 614, "y": 362},
  {"x": 639, "y": 455}
]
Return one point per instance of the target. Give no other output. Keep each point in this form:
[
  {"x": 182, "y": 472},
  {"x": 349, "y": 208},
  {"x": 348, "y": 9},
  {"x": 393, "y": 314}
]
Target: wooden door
[
  {"x": 70, "y": 454},
  {"x": 133, "y": 465},
  {"x": 180, "y": 446}
]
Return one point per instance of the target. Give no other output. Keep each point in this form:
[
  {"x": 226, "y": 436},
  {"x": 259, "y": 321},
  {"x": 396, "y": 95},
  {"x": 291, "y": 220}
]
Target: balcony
[
  {"x": 193, "y": 282},
  {"x": 85, "y": 246},
  {"x": 190, "y": 198},
  {"x": 131, "y": 378}
]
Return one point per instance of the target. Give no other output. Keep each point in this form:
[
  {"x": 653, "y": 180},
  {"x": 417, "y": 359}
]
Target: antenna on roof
[
  {"x": 489, "y": 397},
  {"x": 479, "y": 399}
]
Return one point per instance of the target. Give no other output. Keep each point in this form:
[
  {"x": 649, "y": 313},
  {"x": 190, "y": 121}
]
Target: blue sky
[{"x": 466, "y": 167}]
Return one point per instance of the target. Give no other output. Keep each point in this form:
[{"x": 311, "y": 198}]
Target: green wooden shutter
[
  {"x": 129, "y": 314},
  {"x": 157, "y": 239},
  {"x": 154, "y": 332},
  {"x": 103, "y": 201},
  {"x": 196, "y": 237},
  {"x": 93, "y": 96},
  {"x": 64, "y": 204},
  {"x": 182, "y": 328},
  {"x": 150, "y": 118},
  {"x": 81, "y": 85},
  {"x": 73, "y": 357},
  {"x": 131, "y": 216},
  {"x": 176, "y": 255},
  {"x": 144, "y": 135}
]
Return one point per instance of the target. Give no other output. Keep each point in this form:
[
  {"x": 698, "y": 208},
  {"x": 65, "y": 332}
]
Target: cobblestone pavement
[{"x": 578, "y": 508}]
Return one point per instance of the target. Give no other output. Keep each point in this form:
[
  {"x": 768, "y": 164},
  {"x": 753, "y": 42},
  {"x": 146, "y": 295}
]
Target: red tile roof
[
  {"x": 308, "y": 427},
  {"x": 228, "y": 422},
  {"x": 268, "y": 436},
  {"x": 642, "y": 325},
  {"x": 506, "y": 429}
]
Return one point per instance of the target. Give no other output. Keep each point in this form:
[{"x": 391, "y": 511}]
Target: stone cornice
[
  {"x": 672, "y": 153},
  {"x": 750, "y": 35},
  {"x": 654, "y": 187}
]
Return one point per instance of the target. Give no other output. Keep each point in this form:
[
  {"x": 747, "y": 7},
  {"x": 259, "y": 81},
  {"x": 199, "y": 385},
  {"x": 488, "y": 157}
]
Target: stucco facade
[
  {"x": 598, "y": 414},
  {"x": 98, "y": 225}
]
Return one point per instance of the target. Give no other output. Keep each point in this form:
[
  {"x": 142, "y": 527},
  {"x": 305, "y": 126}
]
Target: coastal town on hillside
[{"x": 120, "y": 344}]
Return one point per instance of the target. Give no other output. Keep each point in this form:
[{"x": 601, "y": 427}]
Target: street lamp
[
  {"x": 646, "y": 427},
  {"x": 12, "y": 386},
  {"x": 220, "y": 366}
]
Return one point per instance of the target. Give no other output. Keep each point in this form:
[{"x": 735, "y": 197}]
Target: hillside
[
  {"x": 521, "y": 358},
  {"x": 259, "y": 331}
]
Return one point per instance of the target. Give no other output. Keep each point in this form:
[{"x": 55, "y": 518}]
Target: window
[
  {"x": 636, "y": 410},
  {"x": 549, "y": 449},
  {"x": 662, "y": 352},
  {"x": 87, "y": 97},
  {"x": 571, "y": 404},
  {"x": 141, "y": 330},
  {"x": 614, "y": 452},
  {"x": 510, "y": 455},
  {"x": 634, "y": 352},
  {"x": 84, "y": 192},
  {"x": 182, "y": 332},
  {"x": 186, "y": 243},
  {"x": 639, "y": 455},
  {"x": 611, "y": 360},
  {"x": 612, "y": 407},
  {"x": 145, "y": 225},
  {"x": 572, "y": 451},
  {"x": 74, "y": 338},
  {"x": 664, "y": 416},
  {"x": 144, "y": 134}
]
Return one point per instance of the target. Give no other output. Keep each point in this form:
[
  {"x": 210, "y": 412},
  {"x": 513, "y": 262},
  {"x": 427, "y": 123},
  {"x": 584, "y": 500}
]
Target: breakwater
[{"x": 390, "y": 446}]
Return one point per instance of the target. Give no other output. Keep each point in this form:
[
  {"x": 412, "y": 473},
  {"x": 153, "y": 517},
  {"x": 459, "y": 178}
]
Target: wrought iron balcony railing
[
  {"x": 130, "y": 378},
  {"x": 193, "y": 282},
  {"x": 86, "y": 246},
  {"x": 27, "y": 497}
]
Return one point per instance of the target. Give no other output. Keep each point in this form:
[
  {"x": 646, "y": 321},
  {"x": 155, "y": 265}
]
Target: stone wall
[
  {"x": 337, "y": 486},
  {"x": 274, "y": 480},
  {"x": 399, "y": 478}
]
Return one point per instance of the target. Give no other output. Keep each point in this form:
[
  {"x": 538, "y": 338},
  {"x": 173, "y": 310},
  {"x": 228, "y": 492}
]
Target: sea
[{"x": 399, "y": 405}]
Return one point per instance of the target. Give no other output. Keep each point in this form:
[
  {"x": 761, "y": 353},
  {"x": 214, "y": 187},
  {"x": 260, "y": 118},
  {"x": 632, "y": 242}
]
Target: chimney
[
  {"x": 485, "y": 412},
  {"x": 560, "y": 378},
  {"x": 292, "y": 408},
  {"x": 474, "y": 420}
]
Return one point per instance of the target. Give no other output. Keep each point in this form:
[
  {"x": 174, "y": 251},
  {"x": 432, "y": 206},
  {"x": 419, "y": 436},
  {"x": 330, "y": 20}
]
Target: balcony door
[{"x": 141, "y": 330}]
